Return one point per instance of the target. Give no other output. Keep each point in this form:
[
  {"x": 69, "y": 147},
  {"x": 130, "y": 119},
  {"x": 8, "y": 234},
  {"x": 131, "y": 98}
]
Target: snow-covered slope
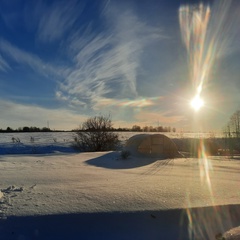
[{"x": 105, "y": 197}]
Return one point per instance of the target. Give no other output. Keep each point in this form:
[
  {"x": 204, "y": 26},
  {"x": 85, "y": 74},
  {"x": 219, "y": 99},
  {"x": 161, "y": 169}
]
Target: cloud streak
[
  {"x": 57, "y": 19},
  {"x": 28, "y": 59},
  {"x": 136, "y": 103},
  {"x": 4, "y": 65},
  {"x": 107, "y": 63}
]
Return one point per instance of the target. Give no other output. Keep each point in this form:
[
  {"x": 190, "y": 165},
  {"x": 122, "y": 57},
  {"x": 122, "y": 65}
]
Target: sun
[{"x": 197, "y": 103}]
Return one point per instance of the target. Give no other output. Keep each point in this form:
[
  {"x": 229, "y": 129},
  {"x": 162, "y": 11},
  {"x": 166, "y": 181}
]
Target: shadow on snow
[
  {"x": 205, "y": 223},
  {"x": 113, "y": 160}
]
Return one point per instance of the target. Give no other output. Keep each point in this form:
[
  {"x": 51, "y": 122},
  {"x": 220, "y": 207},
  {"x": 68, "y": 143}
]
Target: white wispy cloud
[
  {"x": 107, "y": 63},
  {"x": 3, "y": 64},
  {"x": 136, "y": 103},
  {"x": 22, "y": 57},
  {"x": 57, "y": 19}
]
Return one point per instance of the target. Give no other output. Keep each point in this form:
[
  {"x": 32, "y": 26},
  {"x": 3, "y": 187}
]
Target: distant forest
[
  {"x": 134, "y": 128},
  {"x": 26, "y": 129}
]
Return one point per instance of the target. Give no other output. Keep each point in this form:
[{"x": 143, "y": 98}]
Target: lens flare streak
[
  {"x": 193, "y": 23},
  {"x": 205, "y": 33},
  {"x": 204, "y": 38},
  {"x": 205, "y": 168}
]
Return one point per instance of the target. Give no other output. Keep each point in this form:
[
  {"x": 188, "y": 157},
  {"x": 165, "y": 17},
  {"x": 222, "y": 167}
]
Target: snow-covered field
[
  {"x": 36, "y": 143},
  {"x": 70, "y": 195},
  {"x": 62, "y": 142}
]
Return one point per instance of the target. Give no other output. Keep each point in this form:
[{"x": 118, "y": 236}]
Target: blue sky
[{"x": 64, "y": 61}]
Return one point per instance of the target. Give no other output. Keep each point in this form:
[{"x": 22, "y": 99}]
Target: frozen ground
[
  {"x": 49, "y": 191},
  {"x": 100, "y": 196}
]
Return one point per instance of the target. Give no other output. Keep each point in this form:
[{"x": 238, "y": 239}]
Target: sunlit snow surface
[{"x": 66, "y": 195}]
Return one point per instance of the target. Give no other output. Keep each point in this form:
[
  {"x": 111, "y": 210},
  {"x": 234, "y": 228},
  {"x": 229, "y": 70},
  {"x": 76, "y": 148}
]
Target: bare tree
[
  {"x": 235, "y": 124},
  {"x": 232, "y": 132},
  {"x": 136, "y": 128},
  {"x": 95, "y": 135}
]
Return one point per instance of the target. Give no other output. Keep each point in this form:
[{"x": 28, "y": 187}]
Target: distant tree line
[
  {"x": 26, "y": 129},
  {"x": 134, "y": 128}
]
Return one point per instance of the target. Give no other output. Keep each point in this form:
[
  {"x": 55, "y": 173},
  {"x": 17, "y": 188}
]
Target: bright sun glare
[{"x": 197, "y": 103}]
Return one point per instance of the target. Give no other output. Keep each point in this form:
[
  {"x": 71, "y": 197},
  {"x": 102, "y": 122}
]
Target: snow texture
[{"x": 102, "y": 196}]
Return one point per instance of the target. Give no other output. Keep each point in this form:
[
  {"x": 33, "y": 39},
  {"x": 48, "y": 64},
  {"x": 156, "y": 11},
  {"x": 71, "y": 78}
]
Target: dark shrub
[{"x": 95, "y": 135}]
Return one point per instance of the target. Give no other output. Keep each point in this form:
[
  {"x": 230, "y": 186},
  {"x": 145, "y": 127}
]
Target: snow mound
[{"x": 232, "y": 234}]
